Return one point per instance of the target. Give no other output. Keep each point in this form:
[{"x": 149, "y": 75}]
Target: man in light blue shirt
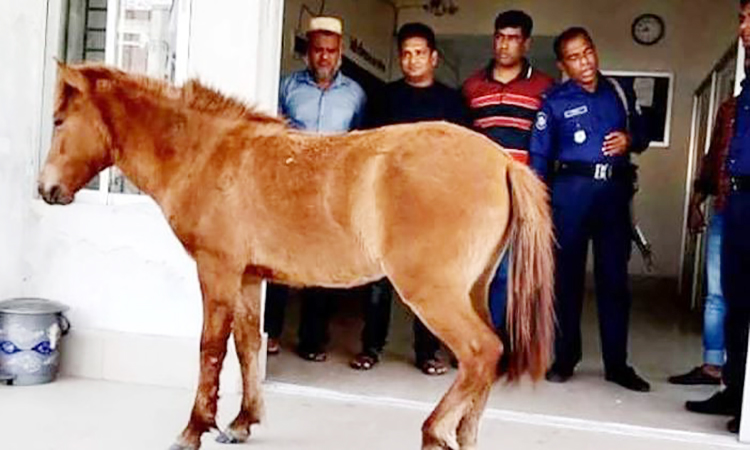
[
  {"x": 319, "y": 99},
  {"x": 307, "y": 106}
]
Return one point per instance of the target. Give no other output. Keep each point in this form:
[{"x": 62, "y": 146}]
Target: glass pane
[
  {"x": 146, "y": 37},
  {"x": 119, "y": 183}
]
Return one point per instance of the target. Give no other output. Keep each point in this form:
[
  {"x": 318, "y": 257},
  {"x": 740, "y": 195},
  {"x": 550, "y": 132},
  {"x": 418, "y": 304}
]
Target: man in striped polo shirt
[
  {"x": 503, "y": 99},
  {"x": 504, "y": 96}
]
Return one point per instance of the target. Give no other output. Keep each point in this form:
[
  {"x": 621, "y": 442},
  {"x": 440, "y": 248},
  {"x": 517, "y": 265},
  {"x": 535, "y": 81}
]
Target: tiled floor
[{"x": 75, "y": 414}]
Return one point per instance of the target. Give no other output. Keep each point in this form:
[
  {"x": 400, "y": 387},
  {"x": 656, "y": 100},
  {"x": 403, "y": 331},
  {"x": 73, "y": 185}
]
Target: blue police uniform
[
  {"x": 735, "y": 262},
  {"x": 590, "y": 195}
]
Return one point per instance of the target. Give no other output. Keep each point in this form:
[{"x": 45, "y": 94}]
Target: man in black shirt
[
  {"x": 418, "y": 96},
  {"x": 414, "y": 98}
]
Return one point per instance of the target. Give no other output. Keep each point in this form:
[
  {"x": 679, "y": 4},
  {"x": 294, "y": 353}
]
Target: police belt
[
  {"x": 739, "y": 183},
  {"x": 596, "y": 171}
]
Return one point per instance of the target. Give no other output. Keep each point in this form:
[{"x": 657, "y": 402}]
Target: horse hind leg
[
  {"x": 247, "y": 338},
  {"x": 220, "y": 289},
  {"x": 459, "y": 412},
  {"x": 450, "y": 315},
  {"x": 468, "y": 428}
]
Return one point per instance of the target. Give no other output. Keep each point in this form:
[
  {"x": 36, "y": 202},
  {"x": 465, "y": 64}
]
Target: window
[{"x": 138, "y": 36}]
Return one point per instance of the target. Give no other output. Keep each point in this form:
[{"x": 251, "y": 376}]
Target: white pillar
[
  {"x": 23, "y": 61},
  {"x": 235, "y": 46}
]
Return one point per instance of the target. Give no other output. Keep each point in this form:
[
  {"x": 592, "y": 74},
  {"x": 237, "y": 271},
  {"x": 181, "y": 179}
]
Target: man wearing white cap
[{"x": 323, "y": 100}]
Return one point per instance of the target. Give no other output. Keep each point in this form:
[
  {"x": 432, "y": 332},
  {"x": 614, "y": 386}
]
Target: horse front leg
[
  {"x": 220, "y": 286},
  {"x": 247, "y": 339}
]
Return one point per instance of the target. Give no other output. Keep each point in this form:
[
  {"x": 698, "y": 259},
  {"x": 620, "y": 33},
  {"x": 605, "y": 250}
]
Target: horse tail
[{"x": 530, "y": 311}]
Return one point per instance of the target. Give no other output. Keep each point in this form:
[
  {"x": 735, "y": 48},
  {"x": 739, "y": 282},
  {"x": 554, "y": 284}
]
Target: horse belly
[{"x": 336, "y": 260}]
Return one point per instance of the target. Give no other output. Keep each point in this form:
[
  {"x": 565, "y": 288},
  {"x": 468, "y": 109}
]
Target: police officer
[
  {"x": 735, "y": 254},
  {"x": 580, "y": 144}
]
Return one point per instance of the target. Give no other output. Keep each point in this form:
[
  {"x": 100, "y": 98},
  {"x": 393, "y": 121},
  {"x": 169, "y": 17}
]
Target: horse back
[{"x": 327, "y": 209}]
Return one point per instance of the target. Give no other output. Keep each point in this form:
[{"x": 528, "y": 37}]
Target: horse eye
[{"x": 58, "y": 122}]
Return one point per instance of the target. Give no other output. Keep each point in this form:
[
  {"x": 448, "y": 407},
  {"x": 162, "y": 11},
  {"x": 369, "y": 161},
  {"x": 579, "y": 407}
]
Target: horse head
[{"x": 81, "y": 143}]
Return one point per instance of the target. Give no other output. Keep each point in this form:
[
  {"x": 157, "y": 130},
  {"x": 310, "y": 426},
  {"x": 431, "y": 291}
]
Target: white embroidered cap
[{"x": 326, "y": 24}]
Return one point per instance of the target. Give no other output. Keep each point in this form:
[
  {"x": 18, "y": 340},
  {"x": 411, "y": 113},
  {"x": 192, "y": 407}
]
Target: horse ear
[{"x": 71, "y": 79}]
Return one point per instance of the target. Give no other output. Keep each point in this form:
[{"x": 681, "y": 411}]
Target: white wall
[
  {"x": 235, "y": 46},
  {"x": 120, "y": 268},
  {"x": 20, "y": 127}
]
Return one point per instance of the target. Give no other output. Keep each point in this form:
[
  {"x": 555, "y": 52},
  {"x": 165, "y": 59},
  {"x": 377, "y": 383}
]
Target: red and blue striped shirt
[{"x": 505, "y": 112}]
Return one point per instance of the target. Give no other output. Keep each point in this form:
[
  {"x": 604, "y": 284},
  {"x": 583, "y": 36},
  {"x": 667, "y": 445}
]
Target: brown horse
[{"x": 431, "y": 206}]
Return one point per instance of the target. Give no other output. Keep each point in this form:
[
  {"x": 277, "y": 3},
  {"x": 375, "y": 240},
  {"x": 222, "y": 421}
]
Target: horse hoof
[
  {"x": 182, "y": 445},
  {"x": 230, "y": 437},
  {"x": 178, "y": 446}
]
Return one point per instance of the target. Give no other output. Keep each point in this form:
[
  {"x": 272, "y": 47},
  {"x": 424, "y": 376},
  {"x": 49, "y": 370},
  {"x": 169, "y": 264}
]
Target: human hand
[
  {"x": 616, "y": 143},
  {"x": 696, "y": 218}
]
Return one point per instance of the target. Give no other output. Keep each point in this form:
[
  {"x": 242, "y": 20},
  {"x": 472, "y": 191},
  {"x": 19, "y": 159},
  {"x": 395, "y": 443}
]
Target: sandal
[
  {"x": 432, "y": 366},
  {"x": 364, "y": 361},
  {"x": 273, "y": 347},
  {"x": 312, "y": 356}
]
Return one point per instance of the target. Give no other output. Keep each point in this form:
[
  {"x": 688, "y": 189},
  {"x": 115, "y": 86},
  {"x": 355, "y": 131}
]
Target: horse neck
[{"x": 151, "y": 144}]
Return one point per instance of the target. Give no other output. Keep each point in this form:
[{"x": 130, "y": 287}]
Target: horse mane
[
  {"x": 202, "y": 98},
  {"x": 193, "y": 95}
]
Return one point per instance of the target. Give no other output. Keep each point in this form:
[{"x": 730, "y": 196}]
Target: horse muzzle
[{"x": 54, "y": 194}]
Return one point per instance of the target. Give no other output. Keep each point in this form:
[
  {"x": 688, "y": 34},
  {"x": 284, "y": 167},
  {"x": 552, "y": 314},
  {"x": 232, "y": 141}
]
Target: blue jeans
[{"x": 715, "y": 308}]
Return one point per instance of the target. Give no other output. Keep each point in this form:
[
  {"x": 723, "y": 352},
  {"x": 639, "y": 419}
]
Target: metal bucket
[{"x": 30, "y": 333}]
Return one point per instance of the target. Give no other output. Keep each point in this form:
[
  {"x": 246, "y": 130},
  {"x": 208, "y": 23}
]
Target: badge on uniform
[
  {"x": 541, "y": 121},
  {"x": 580, "y": 136},
  {"x": 581, "y": 110}
]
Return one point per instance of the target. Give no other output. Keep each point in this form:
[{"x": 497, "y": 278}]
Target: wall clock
[{"x": 648, "y": 29}]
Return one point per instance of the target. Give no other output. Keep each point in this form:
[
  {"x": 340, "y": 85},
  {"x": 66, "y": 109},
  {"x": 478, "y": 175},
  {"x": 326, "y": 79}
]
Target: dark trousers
[
  {"x": 277, "y": 296},
  {"x": 314, "y": 316},
  {"x": 586, "y": 210},
  {"x": 316, "y": 311},
  {"x": 735, "y": 265},
  {"x": 377, "y": 317}
]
